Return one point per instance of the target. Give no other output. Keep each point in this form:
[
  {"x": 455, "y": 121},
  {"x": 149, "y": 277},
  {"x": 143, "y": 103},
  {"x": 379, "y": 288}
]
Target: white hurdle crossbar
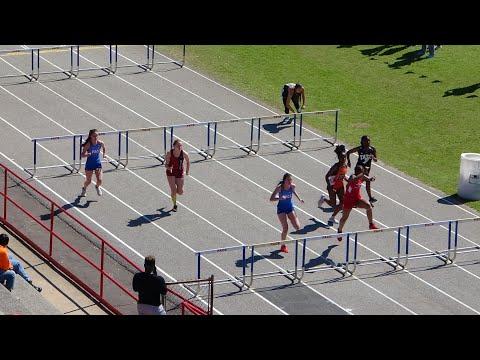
[
  {"x": 211, "y": 127},
  {"x": 74, "y": 64}
]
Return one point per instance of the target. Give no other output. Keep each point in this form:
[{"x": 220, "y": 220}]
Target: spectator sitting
[
  {"x": 149, "y": 286},
  {"x": 9, "y": 266}
]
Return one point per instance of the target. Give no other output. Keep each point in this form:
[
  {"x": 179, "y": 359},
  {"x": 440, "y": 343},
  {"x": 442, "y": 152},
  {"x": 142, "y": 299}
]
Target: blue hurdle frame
[{"x": 349, "y": 266}]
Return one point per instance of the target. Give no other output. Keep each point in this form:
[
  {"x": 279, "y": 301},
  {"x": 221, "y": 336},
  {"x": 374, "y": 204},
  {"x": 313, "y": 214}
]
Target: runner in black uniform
[{"x": 366, "y": 154}]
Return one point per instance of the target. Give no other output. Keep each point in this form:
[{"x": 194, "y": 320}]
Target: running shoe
[
  {"x": 38, "y": 288},
  {"x": 99, "y": 191},
  {"x": 174, "y": 208},
  {"x": 284, "y": 248},
  {"x": 332, "y": 221},
  {"x": 372, "y": 199},
  {"x": 84, "y": 192},
  {"x": 321, "y": 201},
  {"x": 372, "y": 226}
]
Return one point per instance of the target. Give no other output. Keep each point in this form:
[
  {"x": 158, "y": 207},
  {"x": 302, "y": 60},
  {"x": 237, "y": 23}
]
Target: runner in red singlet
[
  {"x": 353, "y": 198},
  {"x": 175, "y": 170}
]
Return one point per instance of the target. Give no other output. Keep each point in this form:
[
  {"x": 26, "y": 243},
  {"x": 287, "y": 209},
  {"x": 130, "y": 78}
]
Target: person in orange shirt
[
  {"x": 9, "y": 266},
  {"x": 335, "y": 186}
]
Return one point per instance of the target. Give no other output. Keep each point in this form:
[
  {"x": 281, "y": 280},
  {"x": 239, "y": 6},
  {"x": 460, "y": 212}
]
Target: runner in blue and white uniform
[
  {"x": 283, "y": 193},
  {"x": 91, "y": 150}
]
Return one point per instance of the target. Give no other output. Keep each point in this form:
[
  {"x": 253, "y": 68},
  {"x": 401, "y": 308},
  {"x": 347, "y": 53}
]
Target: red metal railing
[{"x": 66, "y": 267}]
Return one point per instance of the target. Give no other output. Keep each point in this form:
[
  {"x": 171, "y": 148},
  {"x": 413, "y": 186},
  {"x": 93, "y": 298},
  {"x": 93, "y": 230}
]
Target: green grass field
[{"x": 421, "y": 115}]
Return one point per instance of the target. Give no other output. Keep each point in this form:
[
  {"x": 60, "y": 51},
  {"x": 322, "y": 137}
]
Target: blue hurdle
[{"x": 349, "y": 266}]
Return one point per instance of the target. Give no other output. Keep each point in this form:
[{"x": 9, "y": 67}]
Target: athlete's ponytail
[
  {"x": 89, "y": 137},
  {"x": 285, "y": 176},
  {"x": 340, "y": 149}
]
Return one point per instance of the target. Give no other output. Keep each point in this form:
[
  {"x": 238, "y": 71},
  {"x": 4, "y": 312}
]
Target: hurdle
[
  {"x": 350, "y": 264},
  {"x": 34, "y": 55},
  {"x": 149, "y": 62},
  {"x": 207, "y": 151},
  {"x": 74, "y": 65}
]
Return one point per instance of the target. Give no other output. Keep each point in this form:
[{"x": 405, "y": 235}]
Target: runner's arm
[
  {"x": 303, "y": 99},
  {"x": 167, "y": 161},
  {"x": 104, "y": 149},
  {"x": 85, "y": 152},
  {"x": 355, "y": 149},
  {"x": 295, "y": 192},
  {"x": 274, "y": 196},
  {"x": 374, "y": 154},
  {"x": 330, "y": 173}
]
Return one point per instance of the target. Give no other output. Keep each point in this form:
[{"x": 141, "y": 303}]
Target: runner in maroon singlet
[{"x": 175, "y": 170}]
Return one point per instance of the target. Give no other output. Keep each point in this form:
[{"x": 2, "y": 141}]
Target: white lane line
[
  {"x": 312, "y": 132},
  {"x": 141, "y": 215},
  {"x": 308, "y": 155},
  {"x": 431, "y": 285}
]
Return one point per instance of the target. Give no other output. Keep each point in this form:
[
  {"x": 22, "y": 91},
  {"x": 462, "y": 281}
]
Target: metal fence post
[
  {"x": 101, "y": 268},
  {"x": 52, "y": 214},
  {"x": 5, "y": 188}
]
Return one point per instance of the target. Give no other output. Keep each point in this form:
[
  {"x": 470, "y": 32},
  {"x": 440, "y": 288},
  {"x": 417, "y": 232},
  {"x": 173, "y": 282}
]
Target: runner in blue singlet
[
  {"x": 91, "y": 149},
  {"x": 283, "y": 193}
]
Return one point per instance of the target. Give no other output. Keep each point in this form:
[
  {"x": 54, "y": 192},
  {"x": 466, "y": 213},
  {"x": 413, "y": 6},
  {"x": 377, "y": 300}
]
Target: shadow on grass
[
  {"x": 394, "y": 50},
  {"x": 463, "y": 91},
  {"x": 453, "y": 200},
  {"x": 375, "y": 51},
  {"x": 407, "y": 59},
  {"x": 345, "y": 46},
  {"x": 145, "y": 219}
]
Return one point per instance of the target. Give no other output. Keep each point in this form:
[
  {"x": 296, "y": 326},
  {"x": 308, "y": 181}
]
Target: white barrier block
[{"x": 469, "y": 181}]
